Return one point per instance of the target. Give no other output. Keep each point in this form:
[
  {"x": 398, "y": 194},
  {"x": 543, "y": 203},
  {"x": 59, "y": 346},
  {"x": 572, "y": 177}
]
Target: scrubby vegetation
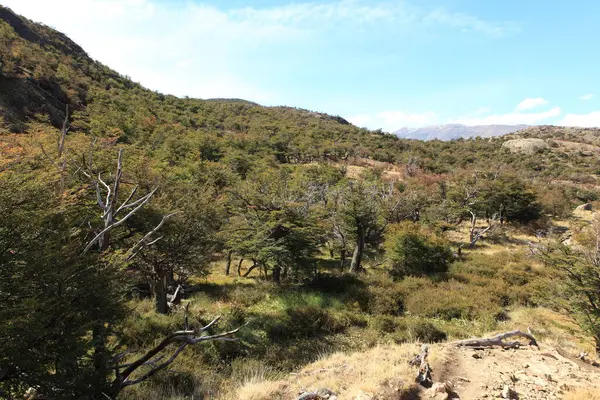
[{"x": 311, "y": 234}]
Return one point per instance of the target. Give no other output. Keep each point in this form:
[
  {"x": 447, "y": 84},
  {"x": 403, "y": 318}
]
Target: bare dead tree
[
  {"x": 108, "y": 203},
  {"x": 111, "y": 209},
  {"x": 60, "y": 162},
  {"x": 475, "y": 235},
  {"x": 153, "y": 361}
]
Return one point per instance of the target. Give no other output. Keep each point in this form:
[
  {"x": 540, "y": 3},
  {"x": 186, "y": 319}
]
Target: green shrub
[
  {"x": 517, "y": 274},
  {"x": 384, "y": 324},
  {"x": 453, "y": 300},
  {"x": 416, "y": 252},
  {"x": 385, "y": 300},
  {"x": 427, "y": 332},
  {"x": 304, "y": 322}
]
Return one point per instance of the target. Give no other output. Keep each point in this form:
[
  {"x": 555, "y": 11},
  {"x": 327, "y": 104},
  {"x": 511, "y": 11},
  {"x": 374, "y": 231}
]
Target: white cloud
[
  {"x": 362, "y": 120},
  {"x": 531, "y": 103},
  {"x": 588, "y": 96},
  {"x": 470, "y": 23},
  {"x": 512, "y": 118},
  {"x": 591, "y": 120},
  {"x": 391, "y": 121},
  {"x": 205, "y": 51}
]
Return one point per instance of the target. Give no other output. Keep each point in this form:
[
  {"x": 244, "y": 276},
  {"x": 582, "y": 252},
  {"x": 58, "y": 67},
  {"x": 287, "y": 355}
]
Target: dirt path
[{"x": 528, "y": 372}]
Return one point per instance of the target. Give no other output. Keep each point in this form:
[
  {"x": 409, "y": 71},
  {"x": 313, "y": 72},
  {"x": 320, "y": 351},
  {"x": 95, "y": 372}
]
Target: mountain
[{"x": 455, "y": 131}]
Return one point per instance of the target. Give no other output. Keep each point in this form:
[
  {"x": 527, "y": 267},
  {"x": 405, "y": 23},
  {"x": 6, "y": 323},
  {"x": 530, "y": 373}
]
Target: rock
[
  {"x": 321, "y": 394},
  {"x": 309, "y": 396},
  {"x": 476, "y": 355},
  {"x": 508, "y": 393},
  {"x": 584, "y": 207},
  {"x": 441, "y": 390},
  {"x": 540, "y": 382},
  {"x": 525, "y": 365},
  {"x": 527, "y": 146},
  {"x": 364, "y": 396}
]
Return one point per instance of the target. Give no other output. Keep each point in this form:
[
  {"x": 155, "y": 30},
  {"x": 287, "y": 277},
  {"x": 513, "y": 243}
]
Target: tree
[
  {"x": 361, "y": 218},
  {"x": 272, "y": 223},
  {"x": 51, "y": 296},
  {"x": 60, "y": 305},
  {"x": 510, "y": 199},
  {"x": 187, "y": 242},
  {"x": 574, "y": 284},
  {"x": 414, "y": 251},
  {"x": 555, "y": 201},
  {"x": 152, "y": 361}
]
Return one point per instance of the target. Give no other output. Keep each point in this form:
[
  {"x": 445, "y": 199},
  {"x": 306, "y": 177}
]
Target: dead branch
[
  {"x": 147, "y": 239},
  {"x": 60, "y": 162},
  {"x": 420, "y": 360},
  {"x": 63, "y": 133},
  {"x": 176, "y": 297},
  {"x": 498, "y": 340},
  {"x": 152, "y": 358},
  {"x": 110, "y": 211},
  {"x": 474, "y": 235}
]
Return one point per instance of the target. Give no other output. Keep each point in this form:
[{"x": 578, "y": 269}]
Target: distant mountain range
[{"x": 455, "y": 131}]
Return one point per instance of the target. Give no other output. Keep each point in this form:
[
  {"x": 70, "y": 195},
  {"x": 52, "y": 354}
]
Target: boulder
[
  {"x": 584, "y": 207},
  {"x": 526, "y": 146}
]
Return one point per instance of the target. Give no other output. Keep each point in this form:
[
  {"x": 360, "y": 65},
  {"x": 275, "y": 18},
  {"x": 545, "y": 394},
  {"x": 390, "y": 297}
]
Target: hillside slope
[{"x": 42, "y": 72}]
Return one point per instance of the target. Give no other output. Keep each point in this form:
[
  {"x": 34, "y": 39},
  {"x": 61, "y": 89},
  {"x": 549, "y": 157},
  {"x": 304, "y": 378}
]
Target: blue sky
[{"x": 381, "y": 64}]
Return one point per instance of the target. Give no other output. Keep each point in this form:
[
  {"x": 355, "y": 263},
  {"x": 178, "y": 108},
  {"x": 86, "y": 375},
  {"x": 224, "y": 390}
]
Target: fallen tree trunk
[
  {"x": 420, "y": 360},
  {"x": 498, "y": 340}
]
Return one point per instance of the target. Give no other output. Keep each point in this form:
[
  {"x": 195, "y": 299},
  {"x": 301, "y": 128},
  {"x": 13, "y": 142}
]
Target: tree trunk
[
  {"x": 254, "y": 265},
  {"x": 342, "y": 259},
  {"x": 277, "y": 275},
  {"x": 228, "y": 264},
  {"x": 100, "y": 357},
  {"x": 355, "y": 265},
  {"x": 285, "y": 272},
  {"x": 472, "y": 229},
  {"x": 171, "y": 278},
  {"x": 160, "y": 294},
  {"x": 239, "y": 267}
]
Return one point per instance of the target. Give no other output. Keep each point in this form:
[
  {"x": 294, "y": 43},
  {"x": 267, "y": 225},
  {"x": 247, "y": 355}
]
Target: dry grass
[
  {"x": 258, "y": 387},
  {"x": 355, "y": 171},
  {"x": 584, "y": 215},
  {"x": 583, "y": 394},
  {"x": 372, "y": 371},
  {"x": 553, "y": 329}
]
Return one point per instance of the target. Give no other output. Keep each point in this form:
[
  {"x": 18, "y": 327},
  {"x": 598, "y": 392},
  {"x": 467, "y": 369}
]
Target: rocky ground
[
  {"x": 523, "y": 373},
  {"x": 527, "y": 372}
]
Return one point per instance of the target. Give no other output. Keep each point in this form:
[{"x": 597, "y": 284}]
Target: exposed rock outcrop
[{"x": 526, "y": 146}]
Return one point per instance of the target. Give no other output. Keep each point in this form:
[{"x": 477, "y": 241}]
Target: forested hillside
[{"x": 130, "y": 220}]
